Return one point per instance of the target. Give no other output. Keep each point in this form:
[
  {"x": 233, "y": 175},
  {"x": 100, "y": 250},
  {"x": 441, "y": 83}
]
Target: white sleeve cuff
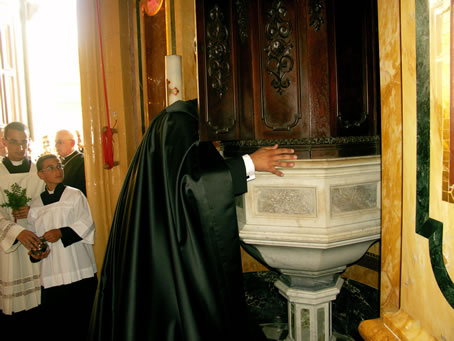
[{"x": 250, "y": 168}]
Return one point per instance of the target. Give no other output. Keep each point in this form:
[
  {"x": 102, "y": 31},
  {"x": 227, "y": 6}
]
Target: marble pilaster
[
  {"x": 425, "y": 263},
  {"x": 103, "y": 185},
  {"x": 391, "y": 113}
]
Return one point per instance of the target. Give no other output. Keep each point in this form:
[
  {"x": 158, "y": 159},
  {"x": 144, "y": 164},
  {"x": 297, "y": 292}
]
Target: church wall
[
  {"x": 422, "y": 297},
  {"x": 416, "y": 307},
  {"x": 391, "y": 135},
  {"x": 119, "y": 52}
]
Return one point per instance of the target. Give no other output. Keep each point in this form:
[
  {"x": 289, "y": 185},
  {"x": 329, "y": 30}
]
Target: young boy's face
[{"x": 51, "y": 173}]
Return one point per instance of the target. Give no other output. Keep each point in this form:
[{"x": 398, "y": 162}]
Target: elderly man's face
[{"x": 64, "y": 145}]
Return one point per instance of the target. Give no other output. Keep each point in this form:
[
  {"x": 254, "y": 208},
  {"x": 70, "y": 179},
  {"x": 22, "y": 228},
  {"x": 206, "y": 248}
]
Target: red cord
[{"x": 107, "y": 145}]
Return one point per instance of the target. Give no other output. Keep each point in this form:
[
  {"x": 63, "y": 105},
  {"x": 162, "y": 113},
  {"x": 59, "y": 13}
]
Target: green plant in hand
[{"x": 17, "y": 197}]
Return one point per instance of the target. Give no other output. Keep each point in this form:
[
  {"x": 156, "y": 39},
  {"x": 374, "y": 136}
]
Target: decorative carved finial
[
  {"x": 315, "y": 14},
  {"x": 241, "y": 12},
  {"x": 349, "y": 124},
  {"x": 280, "y": 61},
  {"x": 218, "y": 51}
]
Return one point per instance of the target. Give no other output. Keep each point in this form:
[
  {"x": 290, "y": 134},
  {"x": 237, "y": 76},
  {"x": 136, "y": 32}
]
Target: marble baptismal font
[{"x": 308, "y": 226}]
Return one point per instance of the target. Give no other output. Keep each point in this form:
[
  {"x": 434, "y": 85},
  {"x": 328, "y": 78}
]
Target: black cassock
[
  {"x": 172, "y": 268},
  {"x": 75, "y": 171}
]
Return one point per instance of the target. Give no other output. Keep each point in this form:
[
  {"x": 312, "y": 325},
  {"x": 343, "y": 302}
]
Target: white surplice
[
  {"x": 20, "y": 287},
  {"x": 65, "y": 265}
]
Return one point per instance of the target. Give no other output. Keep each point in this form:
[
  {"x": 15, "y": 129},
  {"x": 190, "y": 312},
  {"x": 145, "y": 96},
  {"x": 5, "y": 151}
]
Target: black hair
[
  {"x": 15, "y": 126},
  {"x": 42, "y": 158}
]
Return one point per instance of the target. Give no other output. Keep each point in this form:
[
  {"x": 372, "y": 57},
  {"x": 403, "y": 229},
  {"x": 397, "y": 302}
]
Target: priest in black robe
[{"x": 172, "y": 268}]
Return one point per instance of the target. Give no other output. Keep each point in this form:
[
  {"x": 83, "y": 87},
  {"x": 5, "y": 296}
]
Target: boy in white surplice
[{"x": 61, "y": 215}]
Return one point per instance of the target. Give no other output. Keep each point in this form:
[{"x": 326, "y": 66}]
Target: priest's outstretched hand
[{"x": 266, "y": 159}]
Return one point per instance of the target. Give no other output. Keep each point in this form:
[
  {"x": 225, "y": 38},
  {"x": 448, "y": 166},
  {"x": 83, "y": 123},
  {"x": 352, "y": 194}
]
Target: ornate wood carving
[
  {"x": 241, "y": 11},
  {"x": 269, "y": 69},
  {"x": 278, "y": 31},
  {"x": 222, "y": 130},
  {"x": 218, "y": 51},
  {"x": 305, "y": 141},
  {"x": 315, "y": 14},
  {"x": 349, "y": 124}
]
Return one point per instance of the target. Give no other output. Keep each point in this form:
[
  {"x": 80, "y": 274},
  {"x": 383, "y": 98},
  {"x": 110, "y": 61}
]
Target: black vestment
[
  {"x": 172, "y": 268},
  {"x": 75, "y": 171}
]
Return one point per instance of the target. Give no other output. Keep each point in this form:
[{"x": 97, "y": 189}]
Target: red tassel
[{"x": 107, "y": 147}]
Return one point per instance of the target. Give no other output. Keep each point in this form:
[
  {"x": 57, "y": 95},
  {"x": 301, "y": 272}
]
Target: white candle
[{"x": 173, "y": 79}]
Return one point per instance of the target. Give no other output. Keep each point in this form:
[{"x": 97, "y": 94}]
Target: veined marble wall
[
  {"x": 428, "y": 260},
  {"x": 424, "y": 289},
  {"x": 120, "y": 54},
  {"x": 391, "y": 114}
]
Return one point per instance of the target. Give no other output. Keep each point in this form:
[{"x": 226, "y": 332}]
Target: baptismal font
[{"x": 308, "y": 226}]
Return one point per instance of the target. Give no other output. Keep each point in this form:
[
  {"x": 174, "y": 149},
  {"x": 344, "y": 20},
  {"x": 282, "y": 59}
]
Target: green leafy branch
[{"x": 17, "y": 197}]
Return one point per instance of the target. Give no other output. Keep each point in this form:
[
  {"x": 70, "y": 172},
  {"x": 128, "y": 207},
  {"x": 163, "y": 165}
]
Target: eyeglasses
[
  {"x": 16, "y": 142},
  {"x": 52, "y": 168}
]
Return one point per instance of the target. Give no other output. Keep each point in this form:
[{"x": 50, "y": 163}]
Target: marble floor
[
  {"x": 355, "y": 302},
  {"x": 279, "y": 332},
  {"x": 275, "y": 331}
]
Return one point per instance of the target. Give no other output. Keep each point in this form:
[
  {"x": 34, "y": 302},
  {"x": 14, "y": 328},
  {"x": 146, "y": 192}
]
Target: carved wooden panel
[
  {"x": 287, "y": 69},
  {"x": 216, "y": 70},
  {"x": 245, "y": 35},
  {"x": 357, "y": 65},
  {"x": 281, "y": 69},
  {"x": 319, "y": 48}
]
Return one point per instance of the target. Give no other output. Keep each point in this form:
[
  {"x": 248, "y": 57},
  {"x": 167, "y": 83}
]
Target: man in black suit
[{"x": 72, "y": 160}]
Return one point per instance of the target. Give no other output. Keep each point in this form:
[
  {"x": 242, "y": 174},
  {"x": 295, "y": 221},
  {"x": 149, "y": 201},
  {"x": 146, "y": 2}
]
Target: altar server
[{"x": 61, "y": 215}]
